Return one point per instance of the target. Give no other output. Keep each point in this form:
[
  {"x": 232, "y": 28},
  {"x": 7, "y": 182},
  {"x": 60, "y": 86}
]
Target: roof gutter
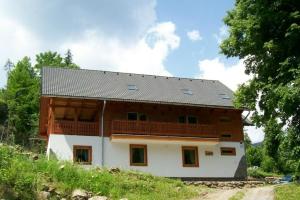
[{"x": 102, "y": 133}]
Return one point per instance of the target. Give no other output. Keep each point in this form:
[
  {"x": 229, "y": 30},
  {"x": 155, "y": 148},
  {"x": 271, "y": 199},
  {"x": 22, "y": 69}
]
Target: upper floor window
[
  {"x": 187, "y": 91},
  {"x": 188, "y": 119},
  {"x": 136, "y": 116},
  {"x": 132, "y": 116},
  {"x": 132, "y": 87},
  {"x": 225, "y": 119},
  {"x": 192, "y": 120}
]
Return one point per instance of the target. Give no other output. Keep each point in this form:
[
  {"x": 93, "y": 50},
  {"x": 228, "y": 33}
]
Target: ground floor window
[
  {"x": 190, "y": 156},
  {"x": 138, "y": 155},
  {"x": 228, "y": 151},
  {"x": 82, "y": 154}
]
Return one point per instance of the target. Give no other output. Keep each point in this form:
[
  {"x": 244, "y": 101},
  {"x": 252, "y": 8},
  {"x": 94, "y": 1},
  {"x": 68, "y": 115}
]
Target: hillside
[{"x": 24, "y": 175}]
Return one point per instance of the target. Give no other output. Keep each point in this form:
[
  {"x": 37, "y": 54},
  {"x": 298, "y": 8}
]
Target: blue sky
[{"x": 163, "y": 37}]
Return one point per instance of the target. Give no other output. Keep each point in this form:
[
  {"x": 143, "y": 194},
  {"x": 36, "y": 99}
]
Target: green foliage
[
  {"x": 257, "y": 172},
  {"x": 266, "y": 35},
  {"x": 20, "y": 100},
  {"x": 53, "y": 59},
  {"x": 287, "y": 192},
  {"x": 22, "y": 178},
  {"x": 254, "y": 156},
  {"x": 22, "y": 95}
]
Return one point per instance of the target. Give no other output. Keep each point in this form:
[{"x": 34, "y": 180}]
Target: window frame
[
  {"x": 90, "y": 154},
  {"x": 191, "y": 116},
  {"x": 144, "y": 146},
  {"x": 137, "y": 116},
  {"x": 209, "y": 153},
  {"x": 195, "y": 148},
  {"x": 233, "y": 153}
]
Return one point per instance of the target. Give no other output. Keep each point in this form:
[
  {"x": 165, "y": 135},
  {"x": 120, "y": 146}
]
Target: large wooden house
[{"x": 167, "y": 126}]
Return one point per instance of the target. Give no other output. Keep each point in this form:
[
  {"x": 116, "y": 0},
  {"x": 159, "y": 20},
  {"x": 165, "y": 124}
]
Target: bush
[{"x": 257, "y": 172}]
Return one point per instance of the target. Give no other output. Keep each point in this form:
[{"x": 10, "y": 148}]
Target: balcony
[
  {"x": 75, "y": 128},
  {"x": 123, "y": 128}
]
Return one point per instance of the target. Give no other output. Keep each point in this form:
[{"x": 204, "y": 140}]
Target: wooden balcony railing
[
  {"x": 75, "y": 128},
  {"x": 163, "y": 129}
]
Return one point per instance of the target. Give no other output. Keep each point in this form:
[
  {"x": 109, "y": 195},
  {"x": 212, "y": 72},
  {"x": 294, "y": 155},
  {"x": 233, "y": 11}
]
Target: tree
[
  {"x": 22, "y": 101},
  {"x": 266, "y": 35},
  {"x": 3, "y": 108},
  {"x": 53, "y": 59},
  {"x": 8, "y": 66}
]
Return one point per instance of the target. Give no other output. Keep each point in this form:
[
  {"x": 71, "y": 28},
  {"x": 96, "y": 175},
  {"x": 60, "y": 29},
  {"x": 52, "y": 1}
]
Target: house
[{"x": 167, "y": 126}]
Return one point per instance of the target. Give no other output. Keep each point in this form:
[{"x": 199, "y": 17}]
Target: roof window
[
  {"x": 224, "y": 96},
  {"x": 187, "y": 91},
  {"x": 132, "y": 87}
]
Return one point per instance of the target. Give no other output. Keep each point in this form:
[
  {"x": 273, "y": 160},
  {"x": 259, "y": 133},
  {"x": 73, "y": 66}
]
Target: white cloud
[
  {"x": 231, "y": 76},
  {"x": 146, "y": 56},
  {"x": 194, "y": 35},
  {"x": 16, "y": 42},
  {"x": 223, "y": 33}
]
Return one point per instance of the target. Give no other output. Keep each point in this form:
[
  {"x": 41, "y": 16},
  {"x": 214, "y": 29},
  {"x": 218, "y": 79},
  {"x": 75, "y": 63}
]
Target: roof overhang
[{"x": 143, "y": 101}]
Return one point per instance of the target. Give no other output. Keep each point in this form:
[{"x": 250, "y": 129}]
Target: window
[
  {"x": 225, "y": 119},
  {"x": 187, "y": 91},
  {"x": 224, "y": 96},
  {"x": 228, "y": 151},
  {"x": 138, "y": 155},
  {"x": 192, "y": 120},
  {"x": 190, "y": 156},
  {"x": 181, "y": 119},
  {"x": 226, "y": 135},
  {"x": 132, "y": 116},
  {"x": 209, "y": 153},
  {"x": 82, "y": 154},
  {"x": 132, "y": 87},
  {"x": 142, "y": 117}
]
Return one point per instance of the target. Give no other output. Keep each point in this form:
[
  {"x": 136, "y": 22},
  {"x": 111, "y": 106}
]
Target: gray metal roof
[{"x": 82, "y": 83}]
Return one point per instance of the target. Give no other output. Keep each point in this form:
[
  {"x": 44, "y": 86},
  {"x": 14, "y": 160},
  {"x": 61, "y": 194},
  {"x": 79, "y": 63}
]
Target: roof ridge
[{"x": 109, "y": 71}]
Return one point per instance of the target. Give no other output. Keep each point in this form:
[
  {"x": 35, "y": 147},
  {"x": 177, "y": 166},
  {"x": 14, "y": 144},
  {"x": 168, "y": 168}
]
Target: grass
[
  {"x": 21, "y": 178},
  {"x": 287, "y": 192},
  {"x": 238, "y": 196},
  {"x": 259, "y": 173}
]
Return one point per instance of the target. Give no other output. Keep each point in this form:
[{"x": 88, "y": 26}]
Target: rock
[
  {"x": 62, "y": 167},
  {"x": 114, "y": 170},
  {"x": 124, "y": 199},
  {"x": 98, "y": 198},
  {"x": 79, "y": 194},
  {"x": 35, "y": 157},
  {"x": 45, "y": 187},
  {"x": 43, "y": 195}
]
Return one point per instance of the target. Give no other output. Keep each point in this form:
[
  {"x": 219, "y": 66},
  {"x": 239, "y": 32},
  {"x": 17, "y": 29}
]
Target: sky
[{"x": 162, "y": 37}]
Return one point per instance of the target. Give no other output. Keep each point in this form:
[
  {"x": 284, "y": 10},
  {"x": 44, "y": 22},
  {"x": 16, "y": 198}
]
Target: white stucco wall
[{"x": 164, "y": 159}]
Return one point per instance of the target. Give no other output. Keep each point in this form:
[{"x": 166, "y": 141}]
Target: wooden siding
[{"x": 77, "y": 116}]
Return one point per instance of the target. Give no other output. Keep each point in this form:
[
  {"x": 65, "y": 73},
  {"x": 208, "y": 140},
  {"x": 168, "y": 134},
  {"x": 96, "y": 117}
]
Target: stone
[
  {"x": 45, "y": 187},
  {"x": 124, "y": 199},
  {"x": 35, "y": 157},
  {"x": 98, "y": 198},
  {"x": 114, "y": 170},
  {"x": 62, "y": 167},
  {"x": 79, "y": 194},
  {"x": 43, "y": 195}
]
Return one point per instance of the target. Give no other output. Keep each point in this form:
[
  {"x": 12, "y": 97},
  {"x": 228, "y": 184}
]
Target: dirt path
[
  {"x": 260, "y": 193},
  {"x": 219, "y": 194}
]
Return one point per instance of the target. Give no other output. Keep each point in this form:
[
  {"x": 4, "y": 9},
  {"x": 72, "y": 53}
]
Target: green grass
[
  {"x": 238, "y": 196},
  {"x": 259, "y": 173},
  {"x": 22, "y": 178},
  {"x": 287, "y": 192}
]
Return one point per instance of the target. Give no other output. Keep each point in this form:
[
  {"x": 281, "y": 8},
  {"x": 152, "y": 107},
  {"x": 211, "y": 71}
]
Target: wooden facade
[{"x": 82, "y": 117}]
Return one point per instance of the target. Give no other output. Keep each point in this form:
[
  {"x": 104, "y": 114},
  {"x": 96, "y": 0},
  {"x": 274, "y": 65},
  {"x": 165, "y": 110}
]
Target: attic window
[
  {"x": 187, "y": 91},
  {"x": 224, "y": 96},
  {"x": 132, "y": 87}
]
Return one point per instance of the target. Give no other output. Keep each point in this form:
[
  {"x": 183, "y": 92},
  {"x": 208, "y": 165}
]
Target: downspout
[{"x": 102, "y": 133}]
